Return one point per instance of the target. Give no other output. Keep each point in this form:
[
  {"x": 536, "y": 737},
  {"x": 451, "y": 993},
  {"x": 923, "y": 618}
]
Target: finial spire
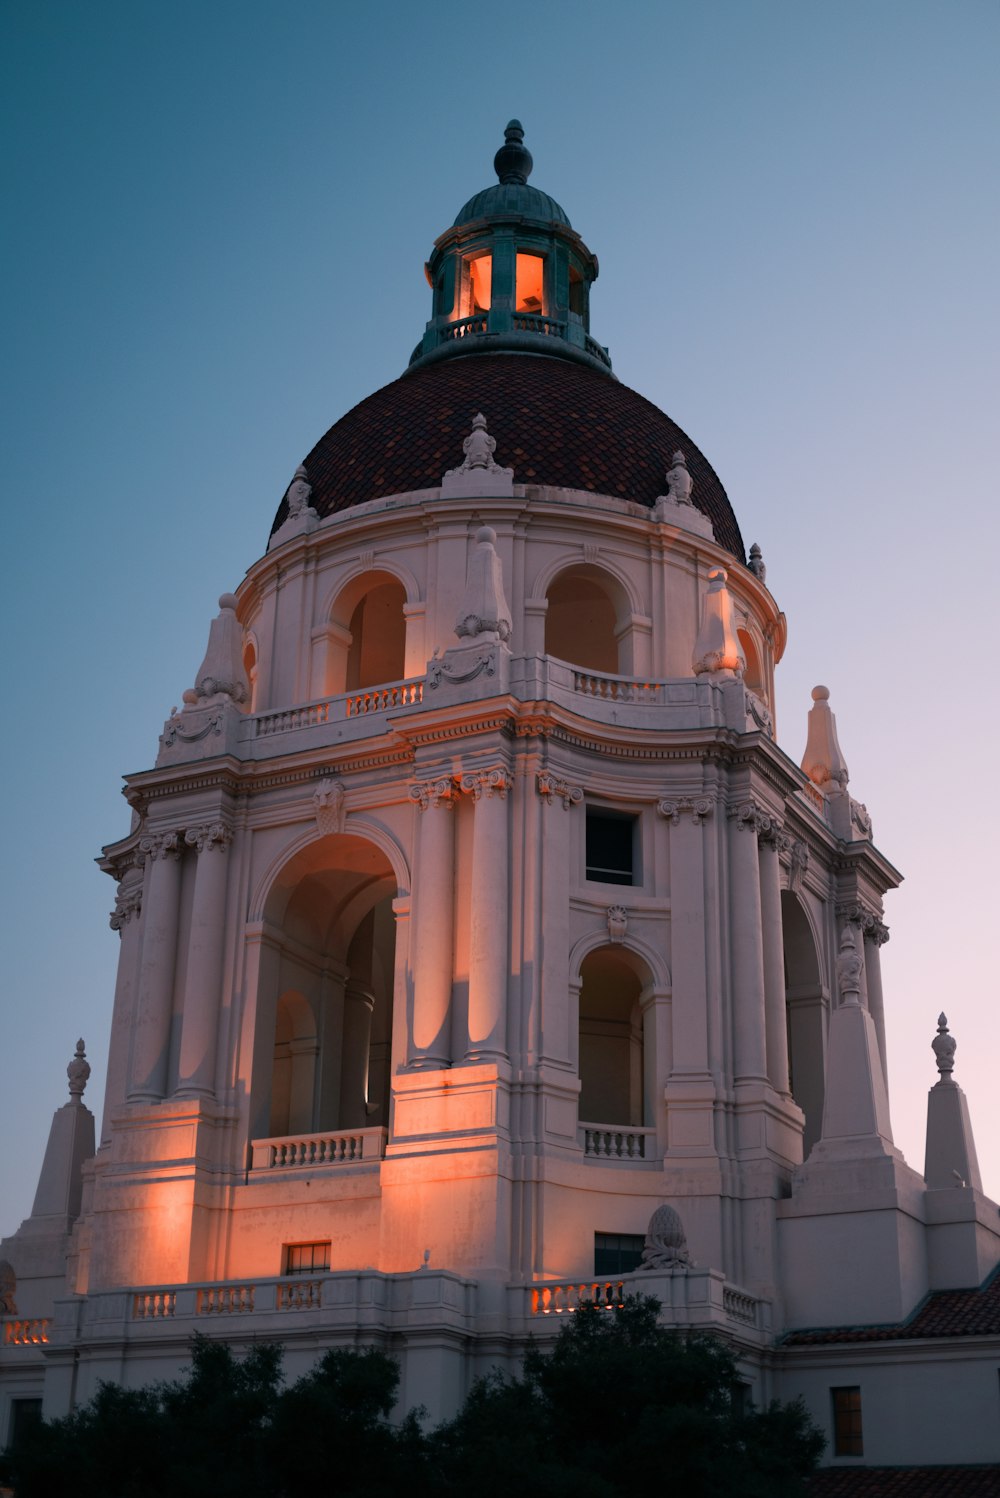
[
  {"x": 513, "y": 162},
  {"x": 78, "y": 1071},
  {"x": 944, "y": 1046}
]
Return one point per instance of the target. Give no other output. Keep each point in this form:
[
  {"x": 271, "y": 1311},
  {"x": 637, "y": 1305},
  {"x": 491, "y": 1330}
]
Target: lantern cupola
[{"x": 511, "y": 273}]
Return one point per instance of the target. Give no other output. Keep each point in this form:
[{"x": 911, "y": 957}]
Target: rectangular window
[
  {"x": 617, "y": 1253},
  {"x": 847, "y": 1421},
  {"x": 23, "y": 1414},
  {"x": 530, "y": 278},
  {"x": 306, "y": 1258},
  {"x": 610, "y": 847}
]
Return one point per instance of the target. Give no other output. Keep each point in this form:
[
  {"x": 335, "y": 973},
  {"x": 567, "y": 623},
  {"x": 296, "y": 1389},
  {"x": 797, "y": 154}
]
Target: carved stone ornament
[
  {"x": 328, "y": 805},
  {"x": 441, "y": 670},
  {"x": 211, "y": 835},
  {"x": 749, "y": 817},
  {"x": 222, "y": 672},
  {"x": 823, "y": 760},
  {"x": 717, "y": 648},
  {"x": 551, "y": 788},
  {"x": 8, "y": 1286},
  {"x": 849, "y": 965},
  {"x": 161, "y": 845},
  {"x": 299, "y": 493},
  {"x": 699, "y": 809},
  {"x": 78, "y": 1071},
  {"x": 860, "y": 818},
  {"x": 480, "y": 783},
  {"x": 617, "y": 923},
  {"x": 478, "y": 474},
  {"x": 798, "y": 862},
  {"x": 679, "y": 481},
  {"x": 479, "y": 448},
  {"x": 944, "y": 1046},
  {"x": 484, "y": 608},
  {"x": 666, "y": 1241},
  {"x": 759, "y": 713},
  {"x": 871, "y": 927},
  {"x": 128, "y": 903},
  {"x": 442, "y": 792},
  {"x": 756, "y": 563},
  {"x": 176, "y": 729}
]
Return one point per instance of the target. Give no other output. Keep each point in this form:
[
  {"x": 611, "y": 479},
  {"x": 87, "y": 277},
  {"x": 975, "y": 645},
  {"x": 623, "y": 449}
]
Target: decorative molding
[
  {"x": 328, "y": 805},
  {"x": 174, "y": 728},
  {"x": 442, "y": 792},
  {"x": 551, "y": 787},
  {"x": 749, "y": 817},
  {"x": 480, "y": 783},
  {"x": 617, "y": 923},
  {"x": 699, "y": 809},
  {"x": 366, "y": 559},
  {"x": 128, "y": 903},
  {"x": 860, "y": 818},
  {"x": 439, "y": 670},
  {"x": 758, "y": 711},
  {"x": 591, "y": 552},
  {"x": 208, "y": 836},
  {"x": 161, "y": 845}
]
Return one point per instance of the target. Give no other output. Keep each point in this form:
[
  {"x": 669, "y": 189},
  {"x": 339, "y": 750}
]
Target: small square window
[
  {"x": 617, "y": 1253},
  {"x": 306, "y": 1258},
  {"x": 847, "y": 1439},
  {"x": 611, "y": 837}
]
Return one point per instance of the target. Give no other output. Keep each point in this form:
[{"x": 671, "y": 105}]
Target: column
[
  {"x": 776, "y": 1024},
  {"x": 429, "y": 1044},
  {"x": 157, "y": 967},
  {"x": 551, "y": 1036},
  {"x": 488, "y": 934},
  {"x": 876, "y": 935},
  {"x": 749, "y": 1024},
  {"x": 359, "y": 1004},
  {"x": 124, "y": 920},
  {"x": 688, "y": 974},
  {"x": 202, "y": 988}
]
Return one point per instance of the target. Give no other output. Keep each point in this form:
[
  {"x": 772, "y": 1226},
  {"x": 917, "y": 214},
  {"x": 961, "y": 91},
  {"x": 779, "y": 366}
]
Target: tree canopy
[{"x": 619, "y": 1405}]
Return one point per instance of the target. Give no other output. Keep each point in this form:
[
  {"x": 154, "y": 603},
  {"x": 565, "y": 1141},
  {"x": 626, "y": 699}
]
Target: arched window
[
  {"x": 753, "y": 673},
  {"x": 587, "y": 621},
  {"x": 364, "y": 643},
  {"x": 806, "y": 1008},
  {"x": 611, "y": 1040}
]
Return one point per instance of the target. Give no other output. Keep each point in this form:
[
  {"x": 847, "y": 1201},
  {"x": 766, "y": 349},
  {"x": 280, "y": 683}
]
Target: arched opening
[
  {"x": 364, "y": 644},
  {"x": 753, "y": 674},
  {"x": 250, "y": 667},
  {"x": 611, "y": 1040},
  {"x": 587, "y": 621},
  {"x": 325, "y": 1000},
  {"x": 806, "y": 1008}
]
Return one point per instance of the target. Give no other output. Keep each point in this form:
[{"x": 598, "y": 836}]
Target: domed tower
[{"x": 471, "y": 912}]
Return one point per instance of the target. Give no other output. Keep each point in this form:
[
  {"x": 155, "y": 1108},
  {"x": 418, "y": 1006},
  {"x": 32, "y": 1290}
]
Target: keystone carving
[
  {"x": 328, "y": 804},
  {"x": 550, "y": 788},
  {"x": 480, "y": 783},
  {"x": 210, "y": 835},
  {"x": 617, "y": 923},
  {"x": 699, "y": 809}
]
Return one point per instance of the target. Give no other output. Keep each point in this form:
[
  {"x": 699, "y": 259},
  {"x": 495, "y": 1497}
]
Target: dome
[
  {"x": 506, "y": 198},
  {"x": 555, "y": 422}
]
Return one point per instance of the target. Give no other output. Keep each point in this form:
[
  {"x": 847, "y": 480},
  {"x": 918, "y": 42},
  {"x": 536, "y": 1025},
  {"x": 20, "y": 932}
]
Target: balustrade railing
[
  {"x": 224, "y": 1300},
  {"x": 347, "y": 1147},
  {"x": 557, "y": 1300},
  {"x": 26, "y": 1331},
  {"x": 464, "y": 326},
  {"x": 606, "y": 1143},
  {"x": 618, "y": 688},
  {"x": 534, "y": 322},
  {"x": 380, "y": 699},
  {"x": 299, "y": 1295},
  {"x": 598, "y": 350},
  {"x": 739, "y": 1307},
  {"x": 154, "y": 1305}
]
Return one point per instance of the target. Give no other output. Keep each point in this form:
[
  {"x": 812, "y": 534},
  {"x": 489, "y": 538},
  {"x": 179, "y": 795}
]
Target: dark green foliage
[{"x": 619, "y": 1406}]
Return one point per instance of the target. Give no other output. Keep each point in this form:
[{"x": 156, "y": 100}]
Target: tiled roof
[
  {"x": 905, "y": 1482},
  {"x": 556, "y": 422},
  {"x": 945, "y": 1313}
]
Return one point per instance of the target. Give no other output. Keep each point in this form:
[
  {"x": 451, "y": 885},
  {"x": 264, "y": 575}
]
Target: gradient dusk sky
[{"x": 218, "y": 215}]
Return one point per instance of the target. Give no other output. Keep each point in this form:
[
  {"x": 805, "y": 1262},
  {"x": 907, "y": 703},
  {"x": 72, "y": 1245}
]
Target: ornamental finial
[
  {"x": 78, "y": 1071},
  {"x": 513, "y": 162},
  {"x": 944, "y": 1047}
]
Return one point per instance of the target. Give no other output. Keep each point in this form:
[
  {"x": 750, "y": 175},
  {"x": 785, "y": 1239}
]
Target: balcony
[
  {"x": 607, "y": 1142},
  {"x": 321, "y": 1151}
]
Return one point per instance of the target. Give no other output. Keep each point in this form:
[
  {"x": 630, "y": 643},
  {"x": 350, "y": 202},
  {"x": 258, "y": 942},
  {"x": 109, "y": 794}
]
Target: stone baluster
[
  {"x": 749, "y": 1013},
  {"x": 434, "y": 936},
  {"x": 490, "y": 898},
  {"x": 157, "y": 966},
  {"x": 776, "y": 1023},
  {"x": 203, "y": 985}
]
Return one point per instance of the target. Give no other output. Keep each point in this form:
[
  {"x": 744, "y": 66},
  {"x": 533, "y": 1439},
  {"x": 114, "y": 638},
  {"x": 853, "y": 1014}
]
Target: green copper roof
[{"x": 512, "y": 195}]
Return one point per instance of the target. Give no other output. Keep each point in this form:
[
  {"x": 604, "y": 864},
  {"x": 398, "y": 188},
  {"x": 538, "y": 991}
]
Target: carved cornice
[
  {"x": 698, "y": 807},
  {"x": 442, "y": 792},
  {"x": 550, "y": 788},
  {"x": 209, "y": 836},
  {"x": 488, "y": 783}
]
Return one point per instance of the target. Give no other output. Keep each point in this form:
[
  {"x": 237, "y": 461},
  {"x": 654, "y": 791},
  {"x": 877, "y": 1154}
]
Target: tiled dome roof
[
  {"x": 512, "y": 197},
  {"x": 555, "y": 422}
]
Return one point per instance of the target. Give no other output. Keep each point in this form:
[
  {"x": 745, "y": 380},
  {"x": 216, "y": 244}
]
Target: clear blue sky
[{"x": 218, "y": 213}]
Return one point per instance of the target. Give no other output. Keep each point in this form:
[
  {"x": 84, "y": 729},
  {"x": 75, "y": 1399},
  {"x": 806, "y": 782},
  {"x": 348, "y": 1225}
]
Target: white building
[{"x": 476, "y": 932}]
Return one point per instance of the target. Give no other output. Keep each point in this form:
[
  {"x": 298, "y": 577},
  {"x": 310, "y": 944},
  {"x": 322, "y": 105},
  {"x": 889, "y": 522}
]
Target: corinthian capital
[
  {"x": 480, "y": 783},
  {"x": 551, "y": 788},
  {"x": 210, "y": 835}
]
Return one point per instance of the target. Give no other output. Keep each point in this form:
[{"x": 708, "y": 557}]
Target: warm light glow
[
  {"x": 481, "y": 283},
  {"x": 529, "y": 283}
]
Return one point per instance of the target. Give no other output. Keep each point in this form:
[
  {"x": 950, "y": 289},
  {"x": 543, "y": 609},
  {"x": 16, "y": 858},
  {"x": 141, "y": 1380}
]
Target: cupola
[{"x": 511, "y": 273}]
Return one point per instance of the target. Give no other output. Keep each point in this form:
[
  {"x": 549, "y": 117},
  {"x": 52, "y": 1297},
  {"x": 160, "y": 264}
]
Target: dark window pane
[
  {"x": 610, "y": 842},
  {"x": 617, "y": 1253},
  {"x": 847, "y": 1421}
]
